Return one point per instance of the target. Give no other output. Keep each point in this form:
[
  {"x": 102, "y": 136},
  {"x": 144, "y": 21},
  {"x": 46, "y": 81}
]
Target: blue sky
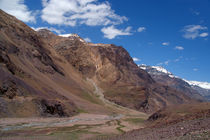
[{"x": 170, "y": 33}]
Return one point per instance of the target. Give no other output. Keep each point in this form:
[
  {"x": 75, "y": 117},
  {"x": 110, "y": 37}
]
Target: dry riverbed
[{"x": 82, "y": 126}]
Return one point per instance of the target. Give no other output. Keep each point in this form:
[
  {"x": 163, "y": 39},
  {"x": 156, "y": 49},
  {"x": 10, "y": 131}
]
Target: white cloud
[
  {"x": 179, "y": 48},
  {"x": 165, "y": 43},
  {"x": 87, "y": 39},
  {"x": 204, "y": 34},
  {"x": 136, "y": 59},
  {"x": 18, "y": 9},
  {"x": 74, "y": 12},
  {"x": 48, "y": 28},
  {"x": 150, "y": 43},
  {"x": 170, "y": 61},
  {"x": 111, "y": 32},
  {"x": 178, "y": 59},
  {"x": 44, "y": 2},
  {"x": 164, "y": 63},
  {"x": 159, "y": 64},
  {"x": 193, "y": 31},
  {"x": 167, "y": 62},
  {"x": 141, "y": 29},
  {"x": 195, "y": 12},
  {"x": 195, "y": 69}
]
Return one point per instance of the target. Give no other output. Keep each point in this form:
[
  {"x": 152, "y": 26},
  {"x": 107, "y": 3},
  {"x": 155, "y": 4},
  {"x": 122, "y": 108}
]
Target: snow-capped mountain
[
  {"x": 192, "y": 88},
  {"x": 158, "y": 70},
  {"x": 204, "y": 85},
  {"x": 69, "y": 35},
  {"x": 72, "y": 37}
]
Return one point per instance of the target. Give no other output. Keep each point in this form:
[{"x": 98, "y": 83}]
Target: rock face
[{"x": 43, "y": 74}]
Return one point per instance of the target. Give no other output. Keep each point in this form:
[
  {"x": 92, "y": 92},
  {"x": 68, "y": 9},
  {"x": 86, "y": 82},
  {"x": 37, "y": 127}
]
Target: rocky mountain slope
[
  {"x": 43, "y": 74},
  {"x": 204, "y": 85},
  {"x": 194, "y": 89},
  {"x": 204, "y": 92},
  {"x": 35, "y": 80},
  {"x": 113, "y": 70},
  {"x": 201, "y": 87}
]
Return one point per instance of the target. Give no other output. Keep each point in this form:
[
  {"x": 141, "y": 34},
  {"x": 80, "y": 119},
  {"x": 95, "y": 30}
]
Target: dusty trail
[{"x": 117, "y": 108}]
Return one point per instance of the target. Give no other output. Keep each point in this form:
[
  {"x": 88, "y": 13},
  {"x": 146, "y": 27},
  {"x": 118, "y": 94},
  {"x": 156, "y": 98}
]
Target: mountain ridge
[
  {"x": 47, "y": 75},
  {"x": 204, "y": 85},
  {"x": 94, "y": 64},
  {"x": 200, "y": 87}
]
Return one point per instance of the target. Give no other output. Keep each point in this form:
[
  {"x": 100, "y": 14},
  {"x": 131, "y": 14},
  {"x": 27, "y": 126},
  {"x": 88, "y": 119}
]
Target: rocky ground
[
  {"x": 181, "y": 122},
  {"x": 195, "y": 129}
]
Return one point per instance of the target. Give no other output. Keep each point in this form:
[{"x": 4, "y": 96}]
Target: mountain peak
[
  {"x": 156, "y": 70},
  {"x": 73, "y": 37},
  {"x": 69, "y": 35},
  {"x": 161, "y": 69},
  {"x": 45, "y": 33}
]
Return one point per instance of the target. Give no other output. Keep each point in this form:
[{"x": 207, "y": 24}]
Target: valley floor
[{"x": 82, "y": 126}]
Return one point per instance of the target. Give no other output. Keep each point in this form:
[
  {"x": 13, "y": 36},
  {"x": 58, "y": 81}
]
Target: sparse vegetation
[
  {"x": 82, "y": 110},
  {"x": 120, "y": 126},
  {"x": 91, "y": 98},
  {"x": 135, "y": 120}
]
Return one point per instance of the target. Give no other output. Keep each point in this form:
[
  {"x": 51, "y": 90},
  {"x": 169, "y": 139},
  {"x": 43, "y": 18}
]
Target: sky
[{"x": 173, "y": 34}]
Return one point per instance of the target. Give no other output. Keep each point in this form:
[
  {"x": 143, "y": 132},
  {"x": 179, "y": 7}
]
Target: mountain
[
  {"x": 192, "y": 89},
  {"x": 156, "y": 70},
  {"x": 202, "y": 87},
  {"x": 35, "y": 80},
  {"x": 112, "y": 69},
  {"x": 43, "y": 74}
]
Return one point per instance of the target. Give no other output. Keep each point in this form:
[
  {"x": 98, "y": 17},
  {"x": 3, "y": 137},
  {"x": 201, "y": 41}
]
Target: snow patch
[
  {"x": 163, "y": 70},
  {"x": 142, "y": 66},
  {"x": 68, "y": 35},
  {"x": 72, "y": 37},
  {"x": 159, "y": 70},
  {"x": 99, "y": 44}
]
